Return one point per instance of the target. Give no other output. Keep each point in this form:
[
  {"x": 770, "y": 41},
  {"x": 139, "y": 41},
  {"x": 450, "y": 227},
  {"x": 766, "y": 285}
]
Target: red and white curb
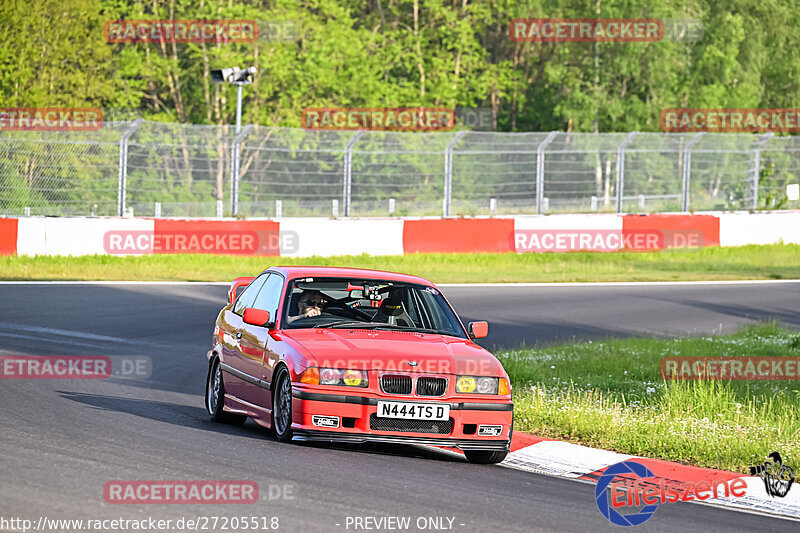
[{"x": 573, "y": 461}]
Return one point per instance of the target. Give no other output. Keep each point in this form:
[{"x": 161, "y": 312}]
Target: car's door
[
  {"x": 236, "y": 365},
  {"x": 258, "y": 339}
]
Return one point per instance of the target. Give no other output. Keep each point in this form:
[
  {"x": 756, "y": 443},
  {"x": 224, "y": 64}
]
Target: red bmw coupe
[{"x": 354, "y": 355}]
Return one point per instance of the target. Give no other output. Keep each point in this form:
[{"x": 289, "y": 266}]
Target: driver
[{"x": 310, "y": 304}]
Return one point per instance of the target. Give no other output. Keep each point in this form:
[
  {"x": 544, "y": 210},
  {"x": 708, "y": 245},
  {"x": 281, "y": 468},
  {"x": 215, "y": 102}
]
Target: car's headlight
[
  {"x": 465, "y": 384},
  {"x": 335, "y": 376},
  {"x": 481, "y": 385}
]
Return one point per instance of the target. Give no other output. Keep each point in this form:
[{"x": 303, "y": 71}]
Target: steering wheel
[{"x": 350, "y": 312}]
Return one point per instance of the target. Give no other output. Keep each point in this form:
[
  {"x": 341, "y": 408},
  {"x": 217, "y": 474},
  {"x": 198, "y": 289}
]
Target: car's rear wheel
[
  {"x": 282, "y": 407},
  {"x": 215, "y": 394},
  {"x": 484, "y": 457}
]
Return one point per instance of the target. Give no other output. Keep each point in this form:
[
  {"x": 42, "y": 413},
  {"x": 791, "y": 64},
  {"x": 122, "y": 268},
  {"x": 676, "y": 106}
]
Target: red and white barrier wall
[{"x": 299, "y": 237}]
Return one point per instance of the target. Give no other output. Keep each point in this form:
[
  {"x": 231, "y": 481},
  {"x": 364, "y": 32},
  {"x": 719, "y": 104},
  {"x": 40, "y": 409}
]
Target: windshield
[{"x": 373, "y": 304}]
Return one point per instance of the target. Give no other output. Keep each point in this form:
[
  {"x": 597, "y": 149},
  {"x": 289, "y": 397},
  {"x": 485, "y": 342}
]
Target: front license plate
[{"x": 414, "y": 411}]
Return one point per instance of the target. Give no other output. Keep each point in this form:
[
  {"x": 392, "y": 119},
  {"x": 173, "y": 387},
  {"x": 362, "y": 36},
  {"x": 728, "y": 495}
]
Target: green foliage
[
  {"x": 454, "y": 53},
  {"x": 610, "y": 394},
  {"x": 777, "y": 261},
  {"x": 407, "y": 52}
]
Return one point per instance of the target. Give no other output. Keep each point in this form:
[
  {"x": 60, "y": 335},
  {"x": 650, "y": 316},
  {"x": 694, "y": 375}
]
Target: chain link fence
[{"x": 158, "y": 169}]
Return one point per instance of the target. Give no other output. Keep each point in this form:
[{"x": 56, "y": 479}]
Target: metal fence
[{"x": 160, "y": 169}]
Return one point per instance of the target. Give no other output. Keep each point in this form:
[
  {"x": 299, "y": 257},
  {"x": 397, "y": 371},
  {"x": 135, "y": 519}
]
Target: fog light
[
  {"x": 489, "y": 431},
  {"x": 353, "y": 378},
  {"x": 325, "y": 421},
  {"x": 465, "y": 384}
]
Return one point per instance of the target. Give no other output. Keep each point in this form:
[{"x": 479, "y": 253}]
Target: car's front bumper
[
  {"x": 357, "y": 413},
  {"x": 463, "y": 444}
]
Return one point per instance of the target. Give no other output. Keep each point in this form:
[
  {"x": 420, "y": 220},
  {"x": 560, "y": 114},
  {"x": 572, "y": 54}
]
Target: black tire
[
  {"x": 215, "y": 392},
  {"x": 282, "y": 406},
  {"x": 484, "y": 457}
]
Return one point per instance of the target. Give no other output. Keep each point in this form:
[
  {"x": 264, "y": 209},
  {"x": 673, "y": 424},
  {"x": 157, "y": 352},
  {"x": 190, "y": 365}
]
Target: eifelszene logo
[
  {"x": 638, "y": 486},
  {"x": 601, "y": 494}
]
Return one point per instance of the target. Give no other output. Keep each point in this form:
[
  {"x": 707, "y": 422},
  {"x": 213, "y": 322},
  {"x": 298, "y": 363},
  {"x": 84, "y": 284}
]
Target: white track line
[
  {"x": 79, "y": 282},
  {"x": 624, "y": 283}
]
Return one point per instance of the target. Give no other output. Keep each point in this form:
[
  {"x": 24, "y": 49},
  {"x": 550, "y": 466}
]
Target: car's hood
[{"x": 394, "y": 350}]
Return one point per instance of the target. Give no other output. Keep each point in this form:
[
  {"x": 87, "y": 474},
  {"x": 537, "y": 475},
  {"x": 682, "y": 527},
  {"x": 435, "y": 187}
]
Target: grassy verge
[
  {"x": 610, "y": 395},
  {"x": 747, "y": 262}
]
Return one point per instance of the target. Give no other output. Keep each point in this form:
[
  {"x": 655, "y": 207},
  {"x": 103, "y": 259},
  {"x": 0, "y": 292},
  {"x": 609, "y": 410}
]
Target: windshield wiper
[
  {"x": 349, "y": 324},
  {"x": 396, "y": 327},
  {"x": 381, "y": 325},
  {"x": 428, "y": 330}
]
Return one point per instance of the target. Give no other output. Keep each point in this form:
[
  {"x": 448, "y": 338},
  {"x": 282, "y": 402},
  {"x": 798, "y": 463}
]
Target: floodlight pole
[
  {"x": 238, "y": 106},
  {"x": 236, "y": 150},
  {"x": 238, "y": 77}
]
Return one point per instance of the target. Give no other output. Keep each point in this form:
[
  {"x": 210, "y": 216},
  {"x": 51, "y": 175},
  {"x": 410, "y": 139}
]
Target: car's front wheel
[
  {"x": 484, "y": 457},
  {"x": 282, "y": 407},
  {"x": 215, "y": 394}
]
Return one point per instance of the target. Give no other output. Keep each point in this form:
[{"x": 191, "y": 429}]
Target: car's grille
[
  {"x": 439, "y": 427},
  {"x": 394, "y": 384},
  {"x": 430, "y": 386}
]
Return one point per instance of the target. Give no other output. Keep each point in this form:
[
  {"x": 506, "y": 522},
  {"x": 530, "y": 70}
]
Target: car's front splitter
[{"x": 355, "y": 438}]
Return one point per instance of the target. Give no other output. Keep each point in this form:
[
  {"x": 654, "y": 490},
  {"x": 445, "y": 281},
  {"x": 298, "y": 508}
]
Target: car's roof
[{"x": 336, "y": 272}]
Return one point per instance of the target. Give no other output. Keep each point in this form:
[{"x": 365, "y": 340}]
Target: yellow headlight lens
[
  {"x": 503, "y": 388},
  {"x": 466, "y": 384},
  {"x": 352, "y": 378}
]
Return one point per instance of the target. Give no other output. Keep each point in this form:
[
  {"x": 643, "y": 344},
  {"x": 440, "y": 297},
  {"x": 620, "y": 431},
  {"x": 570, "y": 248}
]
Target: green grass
[
  {"x": 610, "y": 395},
  {"x": 779, "y": 261}
]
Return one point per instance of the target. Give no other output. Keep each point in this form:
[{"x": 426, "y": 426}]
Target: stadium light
[{"x": 238, "y": 77}]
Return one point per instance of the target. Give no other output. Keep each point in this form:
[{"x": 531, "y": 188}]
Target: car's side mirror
[
  {"x": 256, "y": 317},
  {"x": 478, "y": 330}
]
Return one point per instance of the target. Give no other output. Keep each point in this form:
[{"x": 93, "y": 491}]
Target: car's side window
[
  {"x": 249, "y": 295},
  {"x": 270, "y": 296}
]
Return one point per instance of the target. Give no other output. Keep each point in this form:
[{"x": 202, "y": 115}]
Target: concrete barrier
[
  {"x": 303, "y": 237},
  {"x": 737, "y": 229}
]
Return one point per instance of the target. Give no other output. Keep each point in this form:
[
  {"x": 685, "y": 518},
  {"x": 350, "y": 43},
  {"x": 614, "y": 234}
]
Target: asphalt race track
[
  {"x": 62, "y": 440},
  {"x": 547, "y": 313}
]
